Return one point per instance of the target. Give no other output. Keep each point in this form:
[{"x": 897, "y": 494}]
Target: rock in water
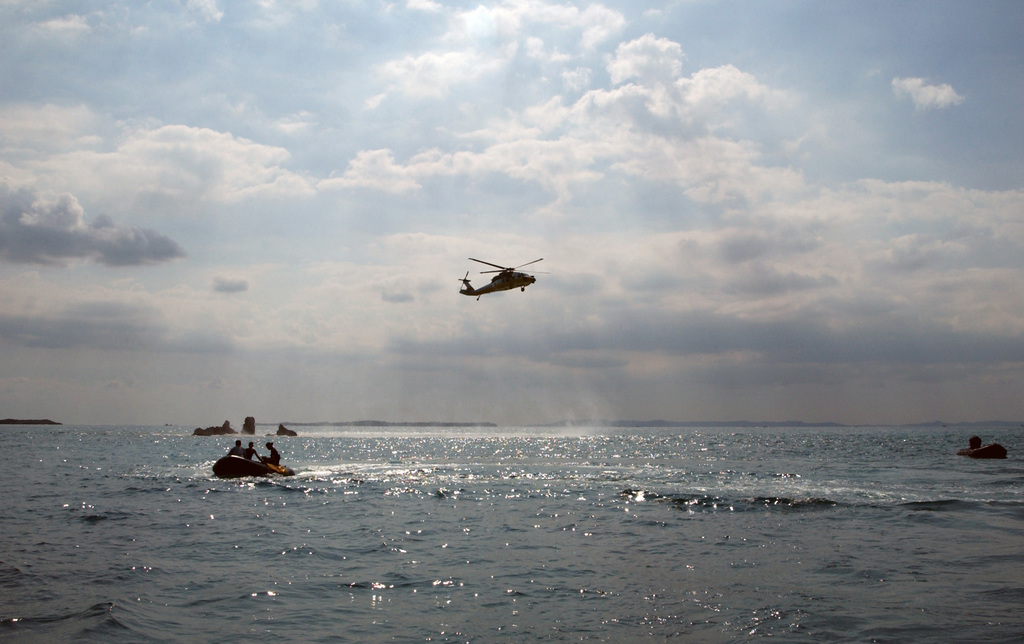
[{"x": 215, "y": 431}]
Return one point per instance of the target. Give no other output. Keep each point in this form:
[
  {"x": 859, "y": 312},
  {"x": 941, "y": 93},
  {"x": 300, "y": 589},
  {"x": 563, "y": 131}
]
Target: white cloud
[
  {"x": 659, "y": 129},
  {"x": 174, "y": 161},
  {"x": 599, "y": 25},
  {"x": 535, "y": 48},
  {"x": 576, "y": 79},
  {"x": 374, "y": 102},
  {"x": 432, "y": 75},
  {"x": 179, "y": 158},
  {"x": 509, "y": 19},
  {"x": 484, "y": 26},
  {"x": 70, "y": 26},
  {"x": 648, "y": 58},
  {"x": 205, "y": 9},
  {"x": 375, "y": 170},
  {"x": 485, "y": 40},
  {"x": 718, "y": 85},
  {"x": 303, "y": 121},
  {"x": 26, "y": 129},
  {"x": 926, "y": 96},
  {"x": 428, "y": 6}
]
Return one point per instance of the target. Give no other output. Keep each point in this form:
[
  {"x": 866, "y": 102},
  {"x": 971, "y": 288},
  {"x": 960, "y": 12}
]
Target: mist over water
[{"x": 513, "y": 534}]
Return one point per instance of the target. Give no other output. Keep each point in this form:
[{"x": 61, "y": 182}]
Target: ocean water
[{"x": 513, "y": 535}]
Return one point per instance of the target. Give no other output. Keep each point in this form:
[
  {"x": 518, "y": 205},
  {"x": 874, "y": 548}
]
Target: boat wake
[{"x": 711, "y": 503}]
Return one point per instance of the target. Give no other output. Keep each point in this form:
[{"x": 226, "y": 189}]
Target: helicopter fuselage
[{"x": 504, "y": 281}]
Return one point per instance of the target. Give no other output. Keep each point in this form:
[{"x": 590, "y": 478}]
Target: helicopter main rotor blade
[
  {"x": 488, "y": 263},
  {"x": 528, "y": 263}
]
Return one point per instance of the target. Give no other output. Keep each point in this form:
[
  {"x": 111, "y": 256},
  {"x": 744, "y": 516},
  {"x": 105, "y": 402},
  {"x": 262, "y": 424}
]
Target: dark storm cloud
[
  {"x": 744, "y": 246},
  {"x": 802, "y": 339},
  {"x": 35, "y": 230},
  {"x": 230, "y": 285},
  {"x": 962, "y": 248},
  {"x": 806, "y": 337},
  {"x": 396, "y": 297},
  {"x": 96, "y": 325},
  {"x": 106, "y": 326},
  {"x": 765, "y": 281}
]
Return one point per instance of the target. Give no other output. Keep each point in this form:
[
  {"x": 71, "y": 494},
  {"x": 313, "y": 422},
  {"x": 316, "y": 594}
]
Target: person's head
[
  {"x": 250, "y": 443},
  {"x": 975, "y": 442},
  {"x": 270, "y": 445},
  {"x": 238, "y": 443}
]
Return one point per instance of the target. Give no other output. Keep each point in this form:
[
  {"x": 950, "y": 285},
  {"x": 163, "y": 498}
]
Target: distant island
[
  {"x": 686, "y": 423},
  {"x": 593, "y": 422},
  {"x": 383, "y": 423},
  {"x": 28, "y": 421},
  {"x": 769, "y": 424}
]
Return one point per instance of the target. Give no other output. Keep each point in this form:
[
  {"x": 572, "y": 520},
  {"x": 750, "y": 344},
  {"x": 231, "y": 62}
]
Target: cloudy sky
[{"x": 746, "y": 210}]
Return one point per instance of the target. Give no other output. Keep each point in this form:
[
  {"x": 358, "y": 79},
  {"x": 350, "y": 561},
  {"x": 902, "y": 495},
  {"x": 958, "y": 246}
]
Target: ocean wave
[
  {"x": 949, "y": 505},
  {"x": 11, "y": 575},
  {"x": 942, "y": 505},
  {"x": 712, "y": 503},
  {"x": 98, "y": 621},
  {"x": 808, "y": 503},
  {"x": 405, "y": 583},
  {"x": 97, "y": 516},
  {"x": 305, "y": 550}
]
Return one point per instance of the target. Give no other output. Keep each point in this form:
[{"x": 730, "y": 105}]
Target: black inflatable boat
[{"x": 235, "y": 466}]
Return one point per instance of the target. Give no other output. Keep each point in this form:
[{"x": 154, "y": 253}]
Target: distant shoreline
[
  {"x": 965, "y": 425},
  {"x": 644, "y": 423},
  {"x": 381, "y": 423}
]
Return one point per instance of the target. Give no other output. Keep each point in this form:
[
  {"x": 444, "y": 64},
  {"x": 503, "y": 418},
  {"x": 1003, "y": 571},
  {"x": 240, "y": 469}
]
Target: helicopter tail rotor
[{"x": 467, "y": 288}]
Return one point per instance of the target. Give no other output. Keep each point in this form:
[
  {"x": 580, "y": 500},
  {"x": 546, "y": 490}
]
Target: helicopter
[{"x": 505, "y": 280}]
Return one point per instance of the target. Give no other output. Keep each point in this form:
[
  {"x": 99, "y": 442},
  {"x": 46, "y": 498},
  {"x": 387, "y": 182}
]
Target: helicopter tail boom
[{"x": 467, "y": 288}]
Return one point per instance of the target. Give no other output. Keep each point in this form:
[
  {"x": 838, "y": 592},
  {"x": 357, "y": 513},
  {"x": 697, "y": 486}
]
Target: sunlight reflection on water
[{"x": 512, "y": 535}]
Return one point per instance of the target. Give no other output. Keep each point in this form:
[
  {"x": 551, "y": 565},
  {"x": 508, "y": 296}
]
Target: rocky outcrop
[
  {"x": 284, "y": 431},
  {"x": 215, "y": 431},
  {"x": 249, "y": 426}
]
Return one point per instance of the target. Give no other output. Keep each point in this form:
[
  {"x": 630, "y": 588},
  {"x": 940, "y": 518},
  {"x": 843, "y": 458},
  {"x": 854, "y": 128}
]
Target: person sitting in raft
[
  {"x": 275, "y": 456},
  {"x": 237, "y": 450},
  {"x": 975, "y": 450},
  {"x": 250, "y": 452}
]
